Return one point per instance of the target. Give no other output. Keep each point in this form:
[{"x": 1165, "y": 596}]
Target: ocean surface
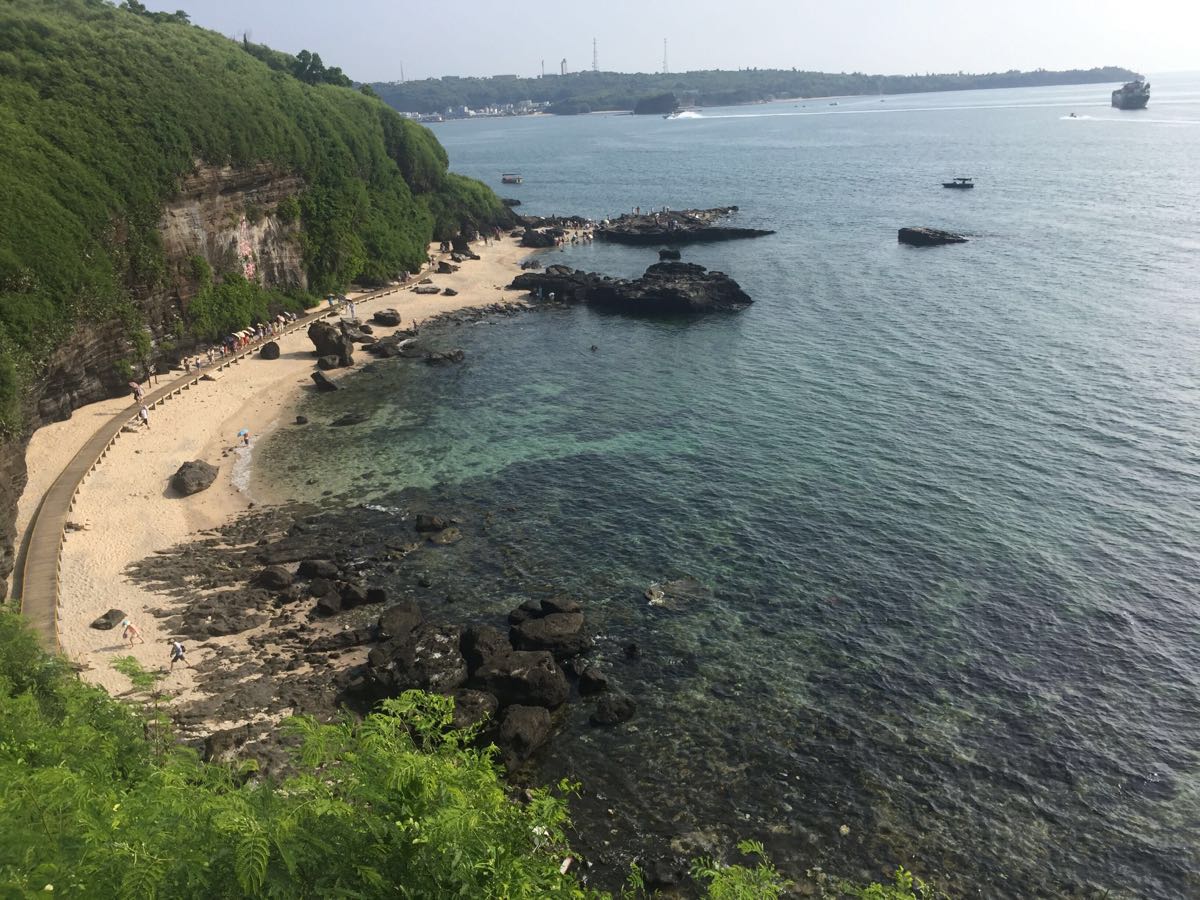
[{"x": 944, "y": 503}]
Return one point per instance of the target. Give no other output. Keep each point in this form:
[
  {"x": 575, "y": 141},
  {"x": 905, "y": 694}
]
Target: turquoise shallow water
[{"x": 946, "y": 500}]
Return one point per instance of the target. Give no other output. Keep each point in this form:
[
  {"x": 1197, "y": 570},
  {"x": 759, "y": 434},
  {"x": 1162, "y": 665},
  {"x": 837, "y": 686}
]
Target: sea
[{"x": 939, "y": 508}]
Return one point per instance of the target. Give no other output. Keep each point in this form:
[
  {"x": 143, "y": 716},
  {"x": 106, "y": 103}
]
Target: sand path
[{"x": 124, "y": 508}]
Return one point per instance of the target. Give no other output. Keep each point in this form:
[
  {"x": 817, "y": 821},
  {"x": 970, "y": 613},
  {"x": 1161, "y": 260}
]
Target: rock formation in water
[
  {"x": 919, "y": 236},
  {"x": 673, "y": 227},
  {"x": 666, "y": 287}
]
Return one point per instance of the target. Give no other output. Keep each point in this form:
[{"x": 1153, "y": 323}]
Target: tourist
[
  {"x": 350, "y": 303},
  {"x": 177, "y": 652},
  {"x": 130, "y": 632},
  {"x": 144, "y": 415}
]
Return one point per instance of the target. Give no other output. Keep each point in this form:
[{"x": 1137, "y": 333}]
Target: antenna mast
[
  {"x": 595, "y": 57},
  {"x": 665, "y": 69}
]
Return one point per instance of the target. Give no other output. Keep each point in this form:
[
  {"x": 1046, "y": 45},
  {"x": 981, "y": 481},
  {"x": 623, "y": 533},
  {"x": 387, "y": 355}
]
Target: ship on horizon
[{"x": 1134, "y": 95}]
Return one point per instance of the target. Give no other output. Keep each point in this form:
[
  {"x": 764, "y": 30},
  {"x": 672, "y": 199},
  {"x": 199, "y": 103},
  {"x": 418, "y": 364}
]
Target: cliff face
[{"x": 226, "y": 216}]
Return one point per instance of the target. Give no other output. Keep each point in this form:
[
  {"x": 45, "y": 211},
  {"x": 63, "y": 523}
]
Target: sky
[{"x": 383, "y": 40}]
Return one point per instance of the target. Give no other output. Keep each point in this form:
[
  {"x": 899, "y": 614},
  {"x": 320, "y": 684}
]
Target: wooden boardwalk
[{"x": 38, "y": 587}]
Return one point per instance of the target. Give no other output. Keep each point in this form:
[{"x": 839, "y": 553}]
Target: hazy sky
[{"x": 371, "y": 39}]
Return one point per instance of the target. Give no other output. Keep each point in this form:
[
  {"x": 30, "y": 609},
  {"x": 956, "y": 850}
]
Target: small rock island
[
  {"x": 666, "y": 287},
  {"x": 672, "y": 226}
]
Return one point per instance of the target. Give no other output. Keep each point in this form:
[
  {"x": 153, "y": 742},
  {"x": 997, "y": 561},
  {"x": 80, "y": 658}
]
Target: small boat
[
  {"x": 1072, "y": 116},
  {"x": 960, "y": 183},
  {"x": 510, "y": 178},
  {"x": 1134, "y": 95}
]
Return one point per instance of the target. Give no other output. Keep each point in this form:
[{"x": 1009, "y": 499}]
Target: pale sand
[{"x": 123, "y": 505}]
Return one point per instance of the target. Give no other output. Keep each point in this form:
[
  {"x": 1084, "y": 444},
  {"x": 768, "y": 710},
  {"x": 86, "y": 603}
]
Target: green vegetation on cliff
[
  {"x": 104, "y": 109},
  {"x": 621, "y": 90}
]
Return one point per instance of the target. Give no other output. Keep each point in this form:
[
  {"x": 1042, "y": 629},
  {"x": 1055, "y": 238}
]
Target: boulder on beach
[
  {"x": 919, "y": 236},
  {"x": 538, "y": 239},
  {"x": 193, "y": 477},
  {"x": 389, "y": 317},
  {"x": 427, "y": 289},
  {"x": 323, "y": 382},
  {"x": 445, "y": 268},
  {"x": 269, "y": 350},
  {"x": 449, "y": 292},
  {"x": 274, "y": 578},
  {"x": 473, "y": 707},
  {"x": 328, "y": 363},
  {"x": 318, "y": 568},
  {"x": 331, "y": 341},
  {"x": 428, "y": 658},
  {"x": 109, "y": 620}
]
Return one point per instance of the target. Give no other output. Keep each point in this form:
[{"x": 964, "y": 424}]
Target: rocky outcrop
[
  {"x": 688, "y": 226},
  {"x": 331, "y": 341},
  {"x": 193, "y": 477},
  {"x": 919, "y": 236},
  {"x": 666, "y": 287},
  {"x": 539, "y": 240}
]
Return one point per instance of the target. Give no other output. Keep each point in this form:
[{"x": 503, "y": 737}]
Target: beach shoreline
[{"x": 125, "y": 511}]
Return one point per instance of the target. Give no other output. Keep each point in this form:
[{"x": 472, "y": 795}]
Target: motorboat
[
  {"x": 960, "y": 183},
  {"x": 510, "y": 178}
]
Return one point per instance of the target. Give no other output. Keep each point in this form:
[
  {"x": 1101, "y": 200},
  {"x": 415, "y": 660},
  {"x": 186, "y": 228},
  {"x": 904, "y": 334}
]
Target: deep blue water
[{"x": 946, "y": 500}]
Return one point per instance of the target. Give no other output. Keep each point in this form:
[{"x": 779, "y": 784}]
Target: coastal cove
[
  {"x": 942, "y": 501},
  {"x": 928, "y": 517}
]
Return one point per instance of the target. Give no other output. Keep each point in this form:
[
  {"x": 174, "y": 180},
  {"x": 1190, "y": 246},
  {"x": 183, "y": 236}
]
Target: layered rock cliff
[{"x": 227, "y": 217}]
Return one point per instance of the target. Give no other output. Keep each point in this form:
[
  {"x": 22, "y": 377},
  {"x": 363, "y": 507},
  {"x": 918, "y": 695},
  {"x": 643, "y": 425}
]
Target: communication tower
[
  {"x": 665, "y": 69},
  {"x": 595, "y": 57}
]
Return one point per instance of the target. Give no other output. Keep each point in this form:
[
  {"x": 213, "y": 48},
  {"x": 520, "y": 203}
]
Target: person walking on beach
[
  {"x": 177, "y": 652},
  {"x": 144, "y": 415},
  {"x": 130, "y": 632},
  {"x": 350, "y": 303}
]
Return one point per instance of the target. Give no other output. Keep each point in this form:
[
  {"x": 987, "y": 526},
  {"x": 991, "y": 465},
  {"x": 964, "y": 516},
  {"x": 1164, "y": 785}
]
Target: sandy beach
[{"x": 124, "y": 510}]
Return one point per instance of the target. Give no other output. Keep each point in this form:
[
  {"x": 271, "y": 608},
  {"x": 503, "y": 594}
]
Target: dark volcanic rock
[
  {"x": 331, "y": 341},
  {"x": 445, "y": 268},
  {"x": 613, "y": 709},
  {"x": 329, "y": 604},
  {"x": 193, "y": 477},
  {"x": 341, "y": 640},
  {"x": 109, "y": 620},
  {"x": 349, "y": 419},
  {"x": 449, "y": 292},
  {"x": 668, "y": 253},
  {"x": 428, "y": 658},
  {"x": 389, "y": 317},
  {"x": 301, "y": 420},
  {"x": 275, "y": 578},
  {"x": 325, "y": 363},
  {"x": 527, "y": 677},
  {"x": 472, "y": 707},
  {"x": 689, "y": 226},
  {"x": 560, "y": 633},
  {"x": 510, "y": 202},
  {"x": 399, "y": 621},
  {"x": 482, "y": 645},
  {"x": 592, "y": 681},
  {"x": 321, "y": 380},
  {"x": 269, "y": 350},
  {"x": 522, "y": 730},
  {"x": 530, "y": 609},
  {"x": 318, "y": 568},
  {"x": 538, "y": 239},
  {"x": 353, "y": 594},
  {"x": 427, "y": 289},
  {"x": 666, "y": 287},
  {"x": 928, "y": 237}
]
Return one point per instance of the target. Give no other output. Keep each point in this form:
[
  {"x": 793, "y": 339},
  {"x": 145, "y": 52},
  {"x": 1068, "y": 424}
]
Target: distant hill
[{"x": 622, "y": 91}]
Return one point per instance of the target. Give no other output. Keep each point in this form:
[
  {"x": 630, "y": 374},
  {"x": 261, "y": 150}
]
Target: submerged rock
[
  {"x": 323, "y": 382},
  {"x": 613, "y": 709}
]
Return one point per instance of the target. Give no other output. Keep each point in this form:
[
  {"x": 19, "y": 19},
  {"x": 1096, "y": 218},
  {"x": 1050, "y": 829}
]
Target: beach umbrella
[
  {"x": 243, "y": 432},
  {"x": 134, "y": 385}
]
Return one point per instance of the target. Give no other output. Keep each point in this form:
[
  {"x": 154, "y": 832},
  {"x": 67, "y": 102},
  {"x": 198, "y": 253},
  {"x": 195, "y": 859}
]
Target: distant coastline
[{"x": 579, "y": 93}]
